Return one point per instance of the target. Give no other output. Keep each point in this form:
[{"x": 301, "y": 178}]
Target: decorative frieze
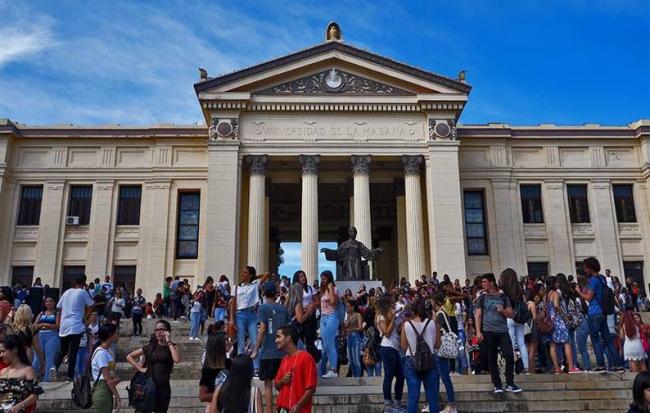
[{"x": 360, "y": 164}]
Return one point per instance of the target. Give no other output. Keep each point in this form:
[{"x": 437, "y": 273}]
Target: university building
[{"x": 297, "y": 149}]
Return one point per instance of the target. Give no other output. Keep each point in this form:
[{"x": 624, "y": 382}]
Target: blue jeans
[
  {"x": 582, "y": 332},
  {"x": 393, "y": 368},
  {"x": 598, "y": 329},
  {"x": 414, "y": 380},
  {"x": 246, "y": 320},
  {"x": 219, "y": 313},
  {"x": 461, "y": 360},
  {"x": 195, "y": 319},
  {"x": 354, "y": 353},
  {"x": 329, "y": 325},
  {"x": 443, "y": 368},
  {"x": 82, "y": 355},
  {"x": 49, "y": 341},
  {"x": 374, "y": 370}
]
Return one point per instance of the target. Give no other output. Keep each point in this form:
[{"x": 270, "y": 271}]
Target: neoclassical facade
[{"x": 301, "y": 147}]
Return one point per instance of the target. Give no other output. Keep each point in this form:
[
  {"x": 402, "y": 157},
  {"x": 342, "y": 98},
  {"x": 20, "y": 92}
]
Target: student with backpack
[
  {"x": 419, "y": 339},
  {"x": 104, "y": 391},
  {"x": 601, "y": 304}
]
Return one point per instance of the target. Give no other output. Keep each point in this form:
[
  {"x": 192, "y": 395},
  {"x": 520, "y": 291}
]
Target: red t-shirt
[{"x": 303, "y": 377}]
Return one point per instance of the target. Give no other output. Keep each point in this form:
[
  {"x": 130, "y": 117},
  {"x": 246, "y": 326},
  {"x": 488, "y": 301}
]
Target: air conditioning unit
[{"x": 72, "y": 220}]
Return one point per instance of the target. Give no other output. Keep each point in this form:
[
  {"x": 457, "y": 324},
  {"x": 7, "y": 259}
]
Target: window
[
  {"x": 531, "y": 204},
  {"x": 128, "y": 212},
  {"x": 30, "y": 205},
  {"x": 634, "y": 270},
  {"x": 536, "y": 269},
  {"x": 23, "y": 275},
  {"x": 81, "y": 197},
  {"x": 70, "y": 272},
  {"x": 124, "y": 275},
  {"x": 187, "y": 236},
  {"x": 475, "y": 228},
  {"x": 578, "y": 204},
  {"x": 624, "y": 203}
]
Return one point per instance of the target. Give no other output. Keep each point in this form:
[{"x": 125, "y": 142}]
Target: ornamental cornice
[
  {"x": 412, "y": 164},
  {"x": 257, "y": 164},
  {"x": 309, "y": 164},
  {"x": 360, "y": 164},
  {"x": 334, "y": 107}
]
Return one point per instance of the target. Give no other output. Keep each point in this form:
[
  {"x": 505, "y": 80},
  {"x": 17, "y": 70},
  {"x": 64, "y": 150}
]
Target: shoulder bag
[{"x": 449, "y": 345}]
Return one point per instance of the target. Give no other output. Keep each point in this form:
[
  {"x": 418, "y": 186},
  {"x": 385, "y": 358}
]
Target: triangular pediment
[{"x": 334, "y": 82}]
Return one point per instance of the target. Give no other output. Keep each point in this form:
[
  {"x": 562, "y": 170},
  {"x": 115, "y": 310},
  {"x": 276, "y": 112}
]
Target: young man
[
  {"x": 493, "y": 307},
  {"x": 270, "y": 316},
  {"x": 296, "y": 379},
  {"x": 137, "y": 312},
  {"x": 597, "y": 318},
  {"x": 73, "y": 306}
]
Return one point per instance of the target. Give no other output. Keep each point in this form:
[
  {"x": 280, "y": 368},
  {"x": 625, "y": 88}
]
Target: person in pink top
[{"x": 329, "y": 323}]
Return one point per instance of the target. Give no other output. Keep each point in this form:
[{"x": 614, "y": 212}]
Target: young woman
[
  {"x": 421, "y": 324},
  {"x": 309, "y": 334},
  {"x": 105, "y": 395},
  {"x": 219, "y": 306},
  {"x": 237, "y": 394},
  {"x": 298, "y": 314},
  {"x": 159, "y": 306},
  {"x": 160, "y": 355},
  {"x": 560, "y": 335},
  {"x": 633, "y": 351},
  {"x": 389, "y": 350},
  {"x": 24, "y": 328},
  {"x": 47, "y": 328},
  {"x": 509, "y": 282},
  {"x": 347, "y": 296},
  {"x": 243, "y": 311},
  {"x": 582, "y": 332},
  {"x": 329, "y": 323},
  {"x": 532, "y": 338},
  {"x": 362, "y": 298},
  {"x": 19, "y": 389},
  {"x": 117, "y": 307},
  {"x": 215, "y": 362},
  {"x": 442, "y": 323},
  {"x": 641, "y": 393},
  {"x": 210, "y": 292},
  {"x": 196, "y": 309},
  {"x": 352, "y": 328}
]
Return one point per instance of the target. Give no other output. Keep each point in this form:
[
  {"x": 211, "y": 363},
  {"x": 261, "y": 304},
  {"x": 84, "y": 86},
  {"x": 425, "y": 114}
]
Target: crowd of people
[{"x": 285, "y": 332}]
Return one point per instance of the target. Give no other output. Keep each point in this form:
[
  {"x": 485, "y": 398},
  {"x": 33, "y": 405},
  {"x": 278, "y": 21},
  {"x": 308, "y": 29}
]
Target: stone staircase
[{"x": 542, "y": 393}]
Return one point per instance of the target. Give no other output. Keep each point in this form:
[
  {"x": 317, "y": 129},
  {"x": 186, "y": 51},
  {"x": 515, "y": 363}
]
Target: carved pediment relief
[{"x": 334, "y": 82}]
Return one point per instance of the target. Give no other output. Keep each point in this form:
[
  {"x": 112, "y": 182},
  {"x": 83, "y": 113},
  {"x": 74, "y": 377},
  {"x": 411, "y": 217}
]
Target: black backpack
[
  {"x": 423, "y": 357},
  {"x": 522, "y": 315},
  {"x": 142, "y": 393},
  {"x": 82, "y": 389},
  {"x": 609, "y": 302}
]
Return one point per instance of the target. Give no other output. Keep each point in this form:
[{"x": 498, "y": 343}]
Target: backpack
[
  {"x": 522, "y": 314},
  {"x": 142, "y": 393},
  {"x": 544, "y": 322},
  {"x": 423, "y": 357},
  {"x": 82, "y": 389},
  {"x": 573, "y": 314},
  {"x": 608, "y": 302},
  {"x": 449, "y": 344}
]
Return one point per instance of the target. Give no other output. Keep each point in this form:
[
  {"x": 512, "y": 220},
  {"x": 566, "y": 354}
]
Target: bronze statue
[{"x": 348, "y": 257}]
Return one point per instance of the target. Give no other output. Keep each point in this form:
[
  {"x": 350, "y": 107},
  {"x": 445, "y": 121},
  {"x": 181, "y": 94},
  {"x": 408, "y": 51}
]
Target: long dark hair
[
  {"x": 641, "y": 382},
  {"x": 14, "y": 341},
  {"x": 330, "y": 280},
  {"x": 235, "y": 392},
  {"x": 384, "y": 304},
  {"x": 565, "y": 287},
  {"x": 215, "y": 351},
  {"x": 510, "y": 284}
]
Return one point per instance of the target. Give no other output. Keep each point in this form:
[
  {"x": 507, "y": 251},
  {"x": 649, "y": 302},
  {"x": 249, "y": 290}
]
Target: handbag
[
  {"x": 231, "y": 327},
  {"x": 449, "y": 344}
]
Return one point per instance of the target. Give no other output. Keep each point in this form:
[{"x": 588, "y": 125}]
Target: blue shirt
[
  {"x": 596, "y": 285},
  {"x": 273, "y": 316}
]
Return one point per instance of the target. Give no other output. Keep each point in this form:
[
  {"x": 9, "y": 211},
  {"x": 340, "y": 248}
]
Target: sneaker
[
  {"x": 498, "y": 390},
  {"x": 575, "y": 370},
  {"x": 330, "y": 375},
  {"x": 425, "y": 409},
  {"x": 513, "y": 388},
  {"x": 620, "y": 369},
  {"x": 598, "y": 369},
  {"x": 53, "y": 374},
  {"x": 399, "y": 409}
]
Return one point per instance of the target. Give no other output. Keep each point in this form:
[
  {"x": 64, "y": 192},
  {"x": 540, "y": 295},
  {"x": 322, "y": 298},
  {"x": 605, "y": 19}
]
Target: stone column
[
  {"x": 603, "y": 218},
  {"x": 222, "y": 227},
  {"x": 257, "y": 231},
  {"x": 50, "y": 234},
  {"x": 309, "y": 214},
  {"x": 402, "y": 252},
  {"x": 414, "y": 232},
  {"x": 558, "y": 227},
  {"x": 100, "y": 230},
  {"x": 361, "y": 174},
  {"x": 507, "y": 220}
]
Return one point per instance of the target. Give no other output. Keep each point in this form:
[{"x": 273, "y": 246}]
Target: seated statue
[{"x": 349, "y": 255}]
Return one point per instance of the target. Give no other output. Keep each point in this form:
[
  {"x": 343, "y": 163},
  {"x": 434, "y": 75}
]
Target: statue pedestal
[{"x": 341, "y": 286}]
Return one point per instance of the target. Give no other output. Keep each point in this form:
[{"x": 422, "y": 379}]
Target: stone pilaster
[
  {"x": 605, "y": 227},
  {"x": 558, "y": 227},
  {"x": 100, "y": 230},
  {"x": 50, "y": 233},
  {"x": 402, "y": 252},
  {"x": 257, "y": 231},
  {"x": 222, "y": 226},
  {"x": 508, "y": 240},
  {"x": 309, "y": 215},
  {"x": 414, "y": 230},
  {"x": 361, "y": 175}
]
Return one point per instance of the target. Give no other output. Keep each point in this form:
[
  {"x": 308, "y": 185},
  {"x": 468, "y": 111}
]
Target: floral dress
[
  {"x": 14, "y": 391},
  {"x": 560, "y": 330}
]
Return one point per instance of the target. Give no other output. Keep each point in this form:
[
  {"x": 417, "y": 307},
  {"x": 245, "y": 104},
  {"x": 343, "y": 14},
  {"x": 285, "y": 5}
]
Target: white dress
[{"x": 633, "y": 348}]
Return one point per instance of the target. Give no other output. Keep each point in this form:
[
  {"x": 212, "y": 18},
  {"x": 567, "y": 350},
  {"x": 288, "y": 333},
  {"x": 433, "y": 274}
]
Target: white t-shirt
[
  {"x": 248, "y": 295},
  {"x": 429, "y": 334},
  {"x": 118, "y": 306},
  {"x": 73, "y": 305},
  {"x": 196, "y": 307},
  {"x": 101, "y": 358},
  {"x": 393, "y": 340},
  {"x": 307, "y": 296}
]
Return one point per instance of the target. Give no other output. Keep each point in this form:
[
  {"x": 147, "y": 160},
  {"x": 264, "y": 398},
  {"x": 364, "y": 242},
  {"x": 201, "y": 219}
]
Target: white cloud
[{"x": 20, "y": 40}]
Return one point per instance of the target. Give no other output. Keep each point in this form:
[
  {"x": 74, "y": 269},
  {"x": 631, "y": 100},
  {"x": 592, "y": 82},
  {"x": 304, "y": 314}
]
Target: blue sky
[{"x": 97, "y": 62}]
